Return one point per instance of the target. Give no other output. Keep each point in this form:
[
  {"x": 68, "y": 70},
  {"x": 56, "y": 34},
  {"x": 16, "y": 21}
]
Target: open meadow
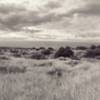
[{"x": 60, "y": 78}]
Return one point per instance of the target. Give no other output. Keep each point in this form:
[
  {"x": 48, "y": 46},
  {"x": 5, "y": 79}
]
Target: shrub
[
  {"x": 3, "y": 70},
  {"x": 92, "y": 53},
  {"x": 46, "y": 52},
  {"x": 75, "y": 58},
  {"x": 73, "y": 63},
  {"x": 50, "y": 48},
  {"x": 81, "y": 48},
  {"x": 2, "y": 53},
  {"x": 64, "y": 52},
  {"x": 14, "y": 51},
  {"x": 46, "y": 64},
  {"x": 93, "y": 47},
  {"x": 42, "y": 48},
  {"x": 37, "y": 49},
  {"x": 17, "y": 55},
  {"x": 98, "y": 46},
  {"x": 55, "y": 72},
  {"x": 4, "y": 58},
  {"x": 33, "y": 48},
  {"x": 38, "y": 56},
  {"x": 24, "y": 53},
  {"x": 98, "y": 57},
  {"x": 12, "y": 69},
  {"x": 68, "y": 52},
  {"x": 59, "y": 53}
]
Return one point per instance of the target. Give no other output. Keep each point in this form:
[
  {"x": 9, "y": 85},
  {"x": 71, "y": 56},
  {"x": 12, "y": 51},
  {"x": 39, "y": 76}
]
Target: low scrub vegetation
[
  {"x": 38, "y": 56},
  {"x": 51, "y": 53},
  {"x": 91, "y": 53},
  {"x": 4, "y": 58},
  {"x": 12, "y": 69},
  {"x": 53, "y": 79},
  {"x": 44, "y": 64},
  {"x": 81, "y": 48},
  {"x": 55, "y": 72}
]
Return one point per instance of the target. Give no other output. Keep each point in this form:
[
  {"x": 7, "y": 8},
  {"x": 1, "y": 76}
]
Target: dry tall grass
[{"x": 79, "y": 82}]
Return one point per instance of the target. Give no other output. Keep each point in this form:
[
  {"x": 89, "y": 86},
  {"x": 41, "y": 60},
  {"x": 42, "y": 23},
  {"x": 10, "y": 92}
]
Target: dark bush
[
  {"x": 98, "y": 46},
  {"x": 46, "y": 52},
  {"x": 33, "y": 48},
  {"x": 98, "y": 57},
  {"x": 68, "y": 52},
  {"x": 2, "y": 53},
  {"x": 50, "y": 48},
  {"x": 93, "y": 47},
  {"x": 37, "y": 49},
  {"x": 3, "y": 70},
  {"x": 38, "y": 56},
  {"x": 24, "y": 53},
  {"x": 81, "y": 48},
  {"x": 64, "y": 52},
  {"x": 4, "y": 58},
  {"x": 59, "y": 52},
  {"x": 17, "y": 55},
  {"x": 92, "y": 53},
  {"x": 14, "y": 51},
  {"x": 42, "y": 48}
]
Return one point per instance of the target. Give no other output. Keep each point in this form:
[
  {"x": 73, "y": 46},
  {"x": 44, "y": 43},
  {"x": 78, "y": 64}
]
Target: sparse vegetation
[
  {"x": 38, "y": 56},
  {"x": 50, "y": 53},
  {"x": 55, "y": 72},
  {"x": 92, "y": 53},
  {"x": 63, "y": 78},
  {"x": 81, "y": 48},
  {"x": 12, "y": 69},
  {"x": 47, "y": 52},
  {"x": 4, "y": 57}
]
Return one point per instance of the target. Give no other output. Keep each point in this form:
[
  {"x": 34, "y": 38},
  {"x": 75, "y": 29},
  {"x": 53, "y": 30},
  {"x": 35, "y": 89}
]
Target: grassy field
[{"x": 49, "y": 79}]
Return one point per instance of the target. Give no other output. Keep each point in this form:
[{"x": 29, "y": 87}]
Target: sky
[{"x": 54, "y": 20}]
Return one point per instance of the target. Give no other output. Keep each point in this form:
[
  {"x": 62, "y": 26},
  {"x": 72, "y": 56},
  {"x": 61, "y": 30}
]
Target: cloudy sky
[{"x": 33, "y": 20}]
